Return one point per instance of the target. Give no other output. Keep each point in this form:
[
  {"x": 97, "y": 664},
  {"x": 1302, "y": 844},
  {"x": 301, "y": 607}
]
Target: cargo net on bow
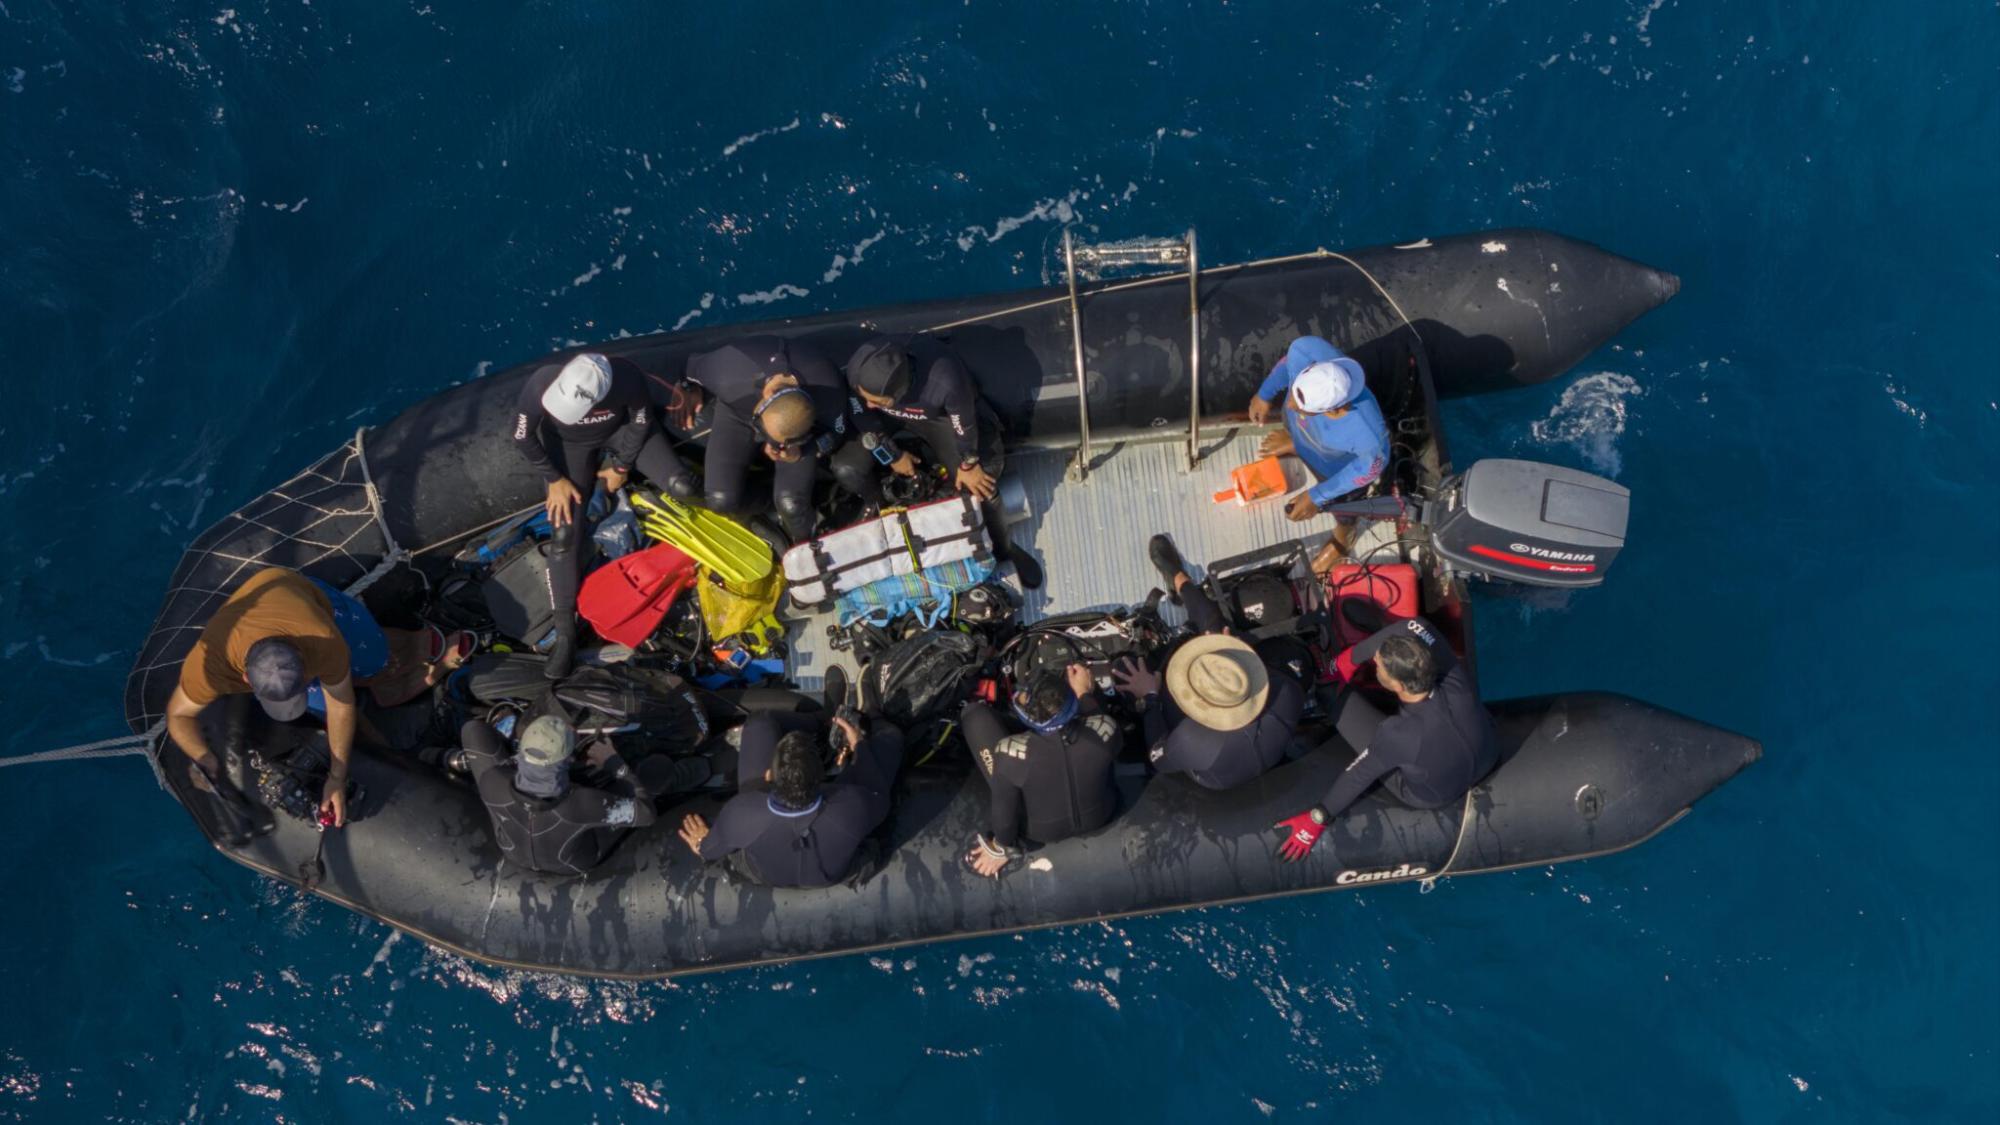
[{"x": 325, "y": 522}]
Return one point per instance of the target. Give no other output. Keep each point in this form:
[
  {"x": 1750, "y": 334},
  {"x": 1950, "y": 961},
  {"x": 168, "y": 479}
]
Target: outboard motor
[{"x": 1526, "y": 522}]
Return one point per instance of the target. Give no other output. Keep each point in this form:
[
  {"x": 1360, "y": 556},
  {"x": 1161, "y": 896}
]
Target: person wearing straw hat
[
  {"x": 1332, "y": 424},
  {"x": 1223, "y": 718}
]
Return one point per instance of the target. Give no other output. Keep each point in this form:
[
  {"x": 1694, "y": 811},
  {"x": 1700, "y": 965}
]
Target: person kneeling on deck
[
  {"x": 1429, "y": 754},
  {"x": 297, "y": 644},
  {"x": 1332, "y": 423},
  {"x": 1056, "y": 776},
  {"x": 1225, "y": 716},
  {"x": 795, "y": 828},
  {"x": 778, "y": 396},
  {"x": 917, "y": 387},
  {"x": 545, "y": 822},
  {"x": 577, "y": 422}
]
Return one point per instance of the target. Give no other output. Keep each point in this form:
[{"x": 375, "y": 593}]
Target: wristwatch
[
  {"x": 968, "y": 464},
  {"x": 1318, "y": 814}
]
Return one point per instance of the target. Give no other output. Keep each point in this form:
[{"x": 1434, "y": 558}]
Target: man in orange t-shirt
[{"x": 273, "y": 638}]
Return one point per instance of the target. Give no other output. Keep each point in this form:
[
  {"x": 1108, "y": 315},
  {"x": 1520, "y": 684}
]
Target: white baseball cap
[
  {"x": 581, "y": 385},
  {"x": 1326, "y": 385}
]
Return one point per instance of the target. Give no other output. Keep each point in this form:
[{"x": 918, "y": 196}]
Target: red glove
[{"x": 1301, "y": 833}]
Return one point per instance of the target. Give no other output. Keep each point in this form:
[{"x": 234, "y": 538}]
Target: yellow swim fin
[{"x": 711, "y": 539}]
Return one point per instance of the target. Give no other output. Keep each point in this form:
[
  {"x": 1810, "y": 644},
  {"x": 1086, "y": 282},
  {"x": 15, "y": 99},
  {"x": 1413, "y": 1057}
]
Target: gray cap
[
  {"x": 541, "y": 765},
  {"x": 276, "y": 671}
]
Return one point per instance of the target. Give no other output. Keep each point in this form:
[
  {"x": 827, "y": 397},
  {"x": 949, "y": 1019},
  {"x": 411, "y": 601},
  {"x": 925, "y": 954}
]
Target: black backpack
[
  {"x": 516, "y": 593},
  {"x": 923, "y": 677}
]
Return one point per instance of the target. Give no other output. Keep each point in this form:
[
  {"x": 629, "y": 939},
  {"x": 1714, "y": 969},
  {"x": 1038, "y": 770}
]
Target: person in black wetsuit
[
  {"x": 1225, "y": 716},
  {"x": 585, "y": 419},
  {"x": 916, "y": 386},
  {"x": 794, "y": 828},
  {"x": 541, "y": 820},
  {"x": 1056, "y": 775},
  {"x": 778, "y": 398},
  {"x": 1434, "y": 749}
]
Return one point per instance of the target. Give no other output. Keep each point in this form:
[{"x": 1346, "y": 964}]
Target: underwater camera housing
[{"x": 1526, "y": 522}]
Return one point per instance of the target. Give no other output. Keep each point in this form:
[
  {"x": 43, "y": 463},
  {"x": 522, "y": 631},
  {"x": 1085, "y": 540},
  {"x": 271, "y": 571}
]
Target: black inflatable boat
[{"x": 1083, "y": 370}]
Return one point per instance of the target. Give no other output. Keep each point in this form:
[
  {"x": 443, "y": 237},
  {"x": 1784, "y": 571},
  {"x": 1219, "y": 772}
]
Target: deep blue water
[{"x": 230, "y": 235}]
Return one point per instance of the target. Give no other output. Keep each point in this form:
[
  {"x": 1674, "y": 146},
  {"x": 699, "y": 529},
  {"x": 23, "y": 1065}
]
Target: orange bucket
[{"x": 1259, "y": 480}]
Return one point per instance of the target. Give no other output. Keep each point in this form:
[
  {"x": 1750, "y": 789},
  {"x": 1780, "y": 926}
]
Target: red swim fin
[{"x": 625, "y": 599}]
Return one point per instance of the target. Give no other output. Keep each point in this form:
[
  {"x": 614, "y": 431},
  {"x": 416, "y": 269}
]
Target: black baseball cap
[{"x": 881, "y": 367}]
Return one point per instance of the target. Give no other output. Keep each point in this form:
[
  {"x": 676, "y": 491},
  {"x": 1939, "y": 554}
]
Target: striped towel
[{"x": 930, "y": 589}]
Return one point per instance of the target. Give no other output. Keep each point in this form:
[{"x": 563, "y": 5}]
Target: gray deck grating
[{"x": 1091, "y": 536}]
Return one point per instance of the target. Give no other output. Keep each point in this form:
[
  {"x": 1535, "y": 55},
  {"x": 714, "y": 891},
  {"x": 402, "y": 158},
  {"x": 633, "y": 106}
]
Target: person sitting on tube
[
  {"x": 1055, "y": 777},
  {"x": 1429, "y": 754},
  {"x": 586, "y": 419},
  {"x": 298, "y": 644},
  {"x": 1225, "y": 717},
  {"x": 793, "y": 827},
  {"x": 775, "y": 398},
  {"x": 917, "y": 388},
  {"x": 543, "y": 820},
  {"x": 1332, "y": 424}
]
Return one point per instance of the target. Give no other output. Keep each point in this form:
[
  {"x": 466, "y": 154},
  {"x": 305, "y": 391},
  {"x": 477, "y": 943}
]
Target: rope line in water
[{"x": 124, "y": 746}]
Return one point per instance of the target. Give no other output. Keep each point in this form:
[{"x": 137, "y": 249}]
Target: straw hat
[{"x": 1217, "y": 681}]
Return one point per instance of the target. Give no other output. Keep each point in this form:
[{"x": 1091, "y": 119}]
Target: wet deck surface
[{"x": 1091, "y": 536}]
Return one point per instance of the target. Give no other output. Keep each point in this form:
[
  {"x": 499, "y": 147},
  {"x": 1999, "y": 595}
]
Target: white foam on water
[
  {"x": 852, "y": 257},
  {"x": 1590, "y": 417},
  {"x": 1900, "y": 395},
  {"x": 747, "y": 139},
  {"x": 1060, "y": 210},
  {"x": 382, "y": 955},
  {"x": 767, "y": 296},
  {"x": 1646, "y": 19},
  {"x": 707, "y": 302}
]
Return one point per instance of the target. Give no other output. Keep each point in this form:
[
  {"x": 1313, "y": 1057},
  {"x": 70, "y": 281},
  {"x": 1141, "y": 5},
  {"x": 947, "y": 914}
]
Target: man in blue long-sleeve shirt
[{"x": 1332, "y": 423}]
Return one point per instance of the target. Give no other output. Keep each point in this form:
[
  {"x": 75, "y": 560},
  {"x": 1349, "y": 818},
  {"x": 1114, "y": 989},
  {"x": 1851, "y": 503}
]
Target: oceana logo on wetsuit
[
  {"x": 1400, "y": 871},
  {"x": 1545, "y": 553}
]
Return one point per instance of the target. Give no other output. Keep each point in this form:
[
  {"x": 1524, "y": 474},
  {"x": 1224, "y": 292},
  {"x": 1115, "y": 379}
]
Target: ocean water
[{"x": 229, "y": 235}]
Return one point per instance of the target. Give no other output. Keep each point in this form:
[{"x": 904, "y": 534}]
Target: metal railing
[{"x": 1093, "y": 259}]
